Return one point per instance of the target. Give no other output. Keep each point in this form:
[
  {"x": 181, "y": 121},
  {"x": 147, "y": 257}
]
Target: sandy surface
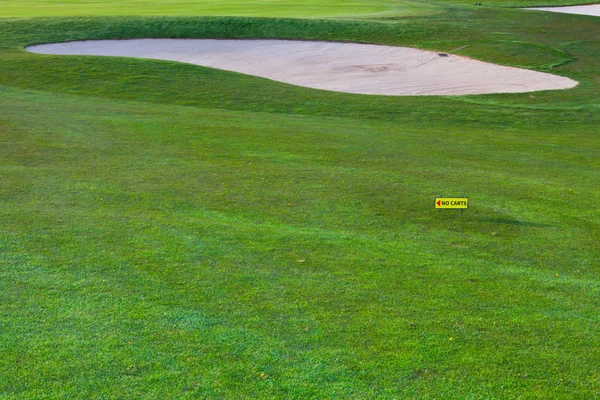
[
  {"x": 341, "y": 67},
  {"x": 593, "y": 9}
]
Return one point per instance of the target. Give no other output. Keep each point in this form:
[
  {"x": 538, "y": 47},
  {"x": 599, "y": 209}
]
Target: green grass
[
  {"x": 246, "y": 8},
  {"x": 172, "y": 231},
  {"x": 271, "y": 8}
]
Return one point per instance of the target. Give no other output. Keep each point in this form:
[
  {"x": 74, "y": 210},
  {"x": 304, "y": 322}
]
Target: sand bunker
[
  {"x": 592, "y": 9},
  {"x": 340, "y": 67}
]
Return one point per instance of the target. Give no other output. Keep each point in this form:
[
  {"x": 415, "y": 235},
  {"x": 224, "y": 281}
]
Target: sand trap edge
[{"x": 334, "y": 66}]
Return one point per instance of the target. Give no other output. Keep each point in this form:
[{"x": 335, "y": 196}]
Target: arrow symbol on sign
[{"x": 439, "y": 202}]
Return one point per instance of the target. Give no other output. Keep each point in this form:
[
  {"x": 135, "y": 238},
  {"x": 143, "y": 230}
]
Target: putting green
[{"x": 270, "y": 8}]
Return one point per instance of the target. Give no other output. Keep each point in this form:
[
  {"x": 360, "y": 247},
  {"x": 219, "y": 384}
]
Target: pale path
[
  {"x": 592, "y": 9},
  {"x": 340, "y": 67}
]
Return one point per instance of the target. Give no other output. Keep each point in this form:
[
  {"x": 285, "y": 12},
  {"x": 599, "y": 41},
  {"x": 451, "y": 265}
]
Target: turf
[
  {"x": 254, "y": 8},
  {"x": 172, "y": 231},
  {"x": 270, "y": 8}
]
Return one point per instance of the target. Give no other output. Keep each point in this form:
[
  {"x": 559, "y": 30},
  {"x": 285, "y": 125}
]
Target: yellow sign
[{"x": 451, "y": 202}]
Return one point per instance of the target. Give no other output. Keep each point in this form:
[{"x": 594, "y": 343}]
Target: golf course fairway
[{"x": 175, "y": 231}]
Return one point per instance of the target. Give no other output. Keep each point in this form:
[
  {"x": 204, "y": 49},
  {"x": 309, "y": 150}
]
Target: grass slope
[
  {"x": 170, "y": 231},
  {"x": 253, "y": 8},
  {"x": 279, "y": 8}
]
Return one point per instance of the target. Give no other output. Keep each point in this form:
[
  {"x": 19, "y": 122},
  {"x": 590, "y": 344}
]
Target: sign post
[{"x": 455, "y": 203}]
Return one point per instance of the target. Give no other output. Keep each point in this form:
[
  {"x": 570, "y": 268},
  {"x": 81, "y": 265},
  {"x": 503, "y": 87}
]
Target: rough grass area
[{"x": 172, "y": 231}]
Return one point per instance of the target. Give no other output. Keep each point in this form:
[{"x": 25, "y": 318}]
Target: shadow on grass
[{"x": 508, "y": 221}]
